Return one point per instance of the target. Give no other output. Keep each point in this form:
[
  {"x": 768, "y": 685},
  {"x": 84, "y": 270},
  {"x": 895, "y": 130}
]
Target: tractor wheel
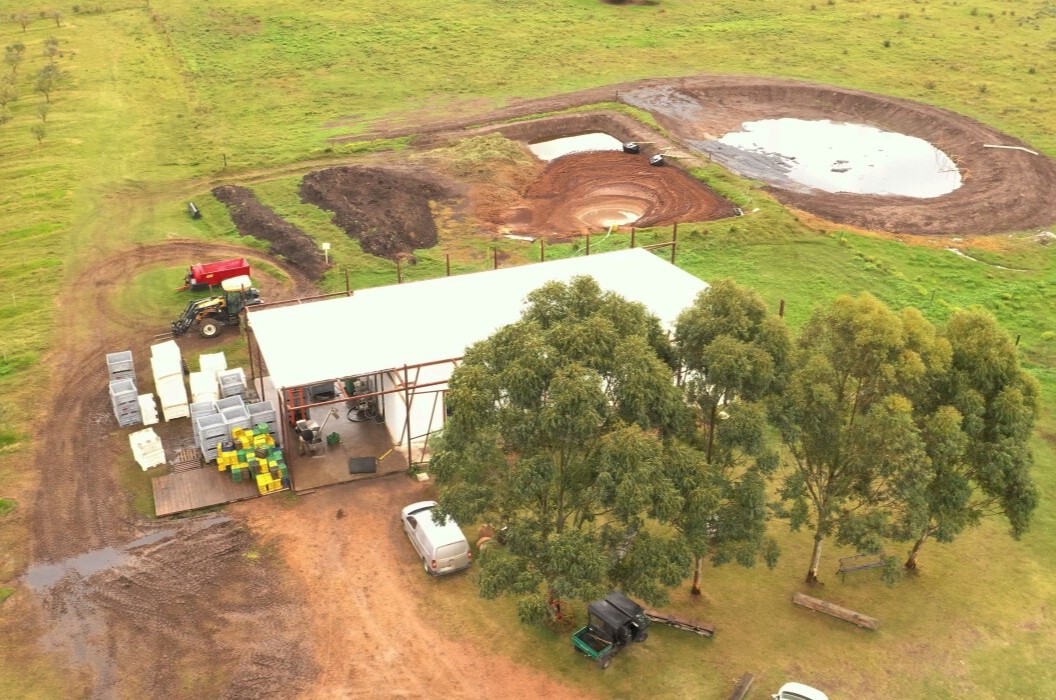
[
  {"x": 641, "y": 636},
  {"x": 604, "y": 662},
  {"x": 209, "y": 328}
]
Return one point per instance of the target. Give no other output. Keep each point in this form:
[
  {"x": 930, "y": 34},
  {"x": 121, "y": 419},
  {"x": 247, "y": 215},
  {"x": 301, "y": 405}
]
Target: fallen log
[
  {"x": 742, "y": 687},
  {"x": 836, "y": 611},
  {"x": 701, "y": 628}
]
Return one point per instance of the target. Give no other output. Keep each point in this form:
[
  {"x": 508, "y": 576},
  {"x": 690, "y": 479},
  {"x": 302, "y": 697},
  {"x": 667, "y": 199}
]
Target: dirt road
[{"x": 373, "y": 636}]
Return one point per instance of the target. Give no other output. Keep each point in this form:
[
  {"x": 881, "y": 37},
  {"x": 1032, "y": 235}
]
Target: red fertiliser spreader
[{"x": 203, "y": 276}]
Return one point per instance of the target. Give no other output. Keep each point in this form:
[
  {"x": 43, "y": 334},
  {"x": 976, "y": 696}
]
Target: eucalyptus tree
[
  {"x": 13, "y": 56},
  {"x": 562, "y": 430},
  {"x": 859, "y": 462},
  {"x": 734, "y": 354},
  {"x": 47, "y": 79},
  {"x": 977, "y": 419}
]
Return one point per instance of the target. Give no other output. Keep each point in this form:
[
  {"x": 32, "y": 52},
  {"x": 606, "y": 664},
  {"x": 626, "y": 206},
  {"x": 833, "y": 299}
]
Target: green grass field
[{"x": 158, "y": 95}]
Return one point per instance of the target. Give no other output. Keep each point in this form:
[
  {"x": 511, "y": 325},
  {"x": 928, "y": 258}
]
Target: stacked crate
[
  {"x": 203, "y": 387},
  {"x": 200, "y": 408},
  {"x": 212, "y": 430},
  {"x": 232, "y": 382},
  {"x": 236, "y": 417},
  {"x": 147, "y": 448},
  {"x": 119, "y": 365},
  {"x": 253, "y": 454},
  {"x": 125, "y": 399},
  {"x": 213, "y": 363},
  {"x": 167, "y": 366},
  {"x": 263, "y": 414},
  {"x": 148, "y": 409}
]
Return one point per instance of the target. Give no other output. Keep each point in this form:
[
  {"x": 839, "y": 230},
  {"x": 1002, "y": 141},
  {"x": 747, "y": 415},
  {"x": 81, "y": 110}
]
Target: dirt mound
[
  {"x": 387, "y": 210},
  {"x": 590, "y": 191},
  {"x": 254, "y": 219}
]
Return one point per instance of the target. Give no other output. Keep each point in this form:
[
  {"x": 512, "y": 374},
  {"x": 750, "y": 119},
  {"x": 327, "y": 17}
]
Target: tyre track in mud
[{"x": 172, "y": 610}]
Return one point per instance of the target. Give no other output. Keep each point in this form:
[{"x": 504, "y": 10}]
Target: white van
[{"x": 443, "y": 548}]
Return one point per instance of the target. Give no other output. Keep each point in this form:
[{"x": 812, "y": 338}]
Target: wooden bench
[{"x": 861, "y": 562}]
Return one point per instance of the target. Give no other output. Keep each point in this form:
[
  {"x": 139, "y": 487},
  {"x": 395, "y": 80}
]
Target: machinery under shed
[{"x": 384, "y": 355}]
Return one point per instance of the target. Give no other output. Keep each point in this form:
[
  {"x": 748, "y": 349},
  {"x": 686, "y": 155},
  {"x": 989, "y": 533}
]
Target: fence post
[
  {"x": 632, "y": 236},
  {"x": 447, "y": 259},
  {"x": 399, "y": 271},
  {"x": 781, "y": 309},
  {"x": 542, "y": 254},
  {"x": 674, "y": 242}
]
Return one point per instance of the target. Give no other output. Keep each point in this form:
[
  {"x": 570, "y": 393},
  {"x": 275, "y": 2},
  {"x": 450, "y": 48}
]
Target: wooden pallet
[{"x": 187, "y": 458}]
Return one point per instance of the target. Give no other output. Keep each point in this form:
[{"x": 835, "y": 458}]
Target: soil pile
[
  {"x": 255, "y": 219},
  {"x": 386, "y": 210}
]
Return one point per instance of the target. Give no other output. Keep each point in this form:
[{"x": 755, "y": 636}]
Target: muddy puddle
[
  {"x": 836, "y": 157},
  {"x": 555, "y": 148}
]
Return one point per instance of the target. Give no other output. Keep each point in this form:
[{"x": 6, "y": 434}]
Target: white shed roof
[{"x": 387, "y": 327}]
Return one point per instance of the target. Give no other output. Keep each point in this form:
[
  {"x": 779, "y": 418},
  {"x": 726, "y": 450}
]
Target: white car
[
  {"x": 442, "y": 546},
  {"x": 798, "y": 691}
]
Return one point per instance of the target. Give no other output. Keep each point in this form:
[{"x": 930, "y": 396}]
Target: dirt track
[{"x": 209, "y": 604}]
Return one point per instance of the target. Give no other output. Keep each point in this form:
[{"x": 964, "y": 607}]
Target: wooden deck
[
  {"x": 191, "y": 489},
  {"x": 331, "y": 466}
]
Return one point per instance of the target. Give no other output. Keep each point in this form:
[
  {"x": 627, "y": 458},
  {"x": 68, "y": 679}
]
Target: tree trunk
[
  {"x": 911, "y": 563},
  {"x": 555, "y": 604},
  {"x": 711, "y": 430},
  {"x": 815, "y": 559},
  {"x": 696, "y": 576}
]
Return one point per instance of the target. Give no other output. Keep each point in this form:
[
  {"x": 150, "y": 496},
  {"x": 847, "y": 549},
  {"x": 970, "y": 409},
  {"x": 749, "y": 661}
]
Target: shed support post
[{"x": 407, "y": 400}]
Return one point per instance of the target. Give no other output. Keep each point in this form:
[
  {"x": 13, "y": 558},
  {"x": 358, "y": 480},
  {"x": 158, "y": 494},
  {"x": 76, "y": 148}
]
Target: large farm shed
[{"x": 398, "y": 345}]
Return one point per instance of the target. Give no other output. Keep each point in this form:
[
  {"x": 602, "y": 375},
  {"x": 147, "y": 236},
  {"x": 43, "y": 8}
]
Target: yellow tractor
[{"x": 210, "y": 315}]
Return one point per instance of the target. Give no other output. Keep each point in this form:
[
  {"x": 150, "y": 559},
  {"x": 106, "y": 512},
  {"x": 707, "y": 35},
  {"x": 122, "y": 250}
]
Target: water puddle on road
[
  {"x": 40, "y": 577},
  {"x": 840, "y": 157},
  {"x": 555, "y": 148}
]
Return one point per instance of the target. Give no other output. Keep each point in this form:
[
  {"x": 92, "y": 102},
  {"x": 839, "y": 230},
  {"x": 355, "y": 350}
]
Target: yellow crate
[{"x": 237, "y": 432}]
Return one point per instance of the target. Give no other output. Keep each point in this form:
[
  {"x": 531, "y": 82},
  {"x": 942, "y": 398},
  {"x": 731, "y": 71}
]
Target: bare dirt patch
[
  {"x": 386, "y": 209},
  {"x": 180, "y": 619},
  {"x": 374, "y": 634},
  {"x": 590, "y": 191},
  {"x": 1002, "y": 190},
  {"x": 200, "y": 588},
  {"x": 255, "y": 219}
]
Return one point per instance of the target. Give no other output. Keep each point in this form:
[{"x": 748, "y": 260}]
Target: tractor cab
[
  {"x": 211, "y": 314},
  {"x": 613, "y": 623}
]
